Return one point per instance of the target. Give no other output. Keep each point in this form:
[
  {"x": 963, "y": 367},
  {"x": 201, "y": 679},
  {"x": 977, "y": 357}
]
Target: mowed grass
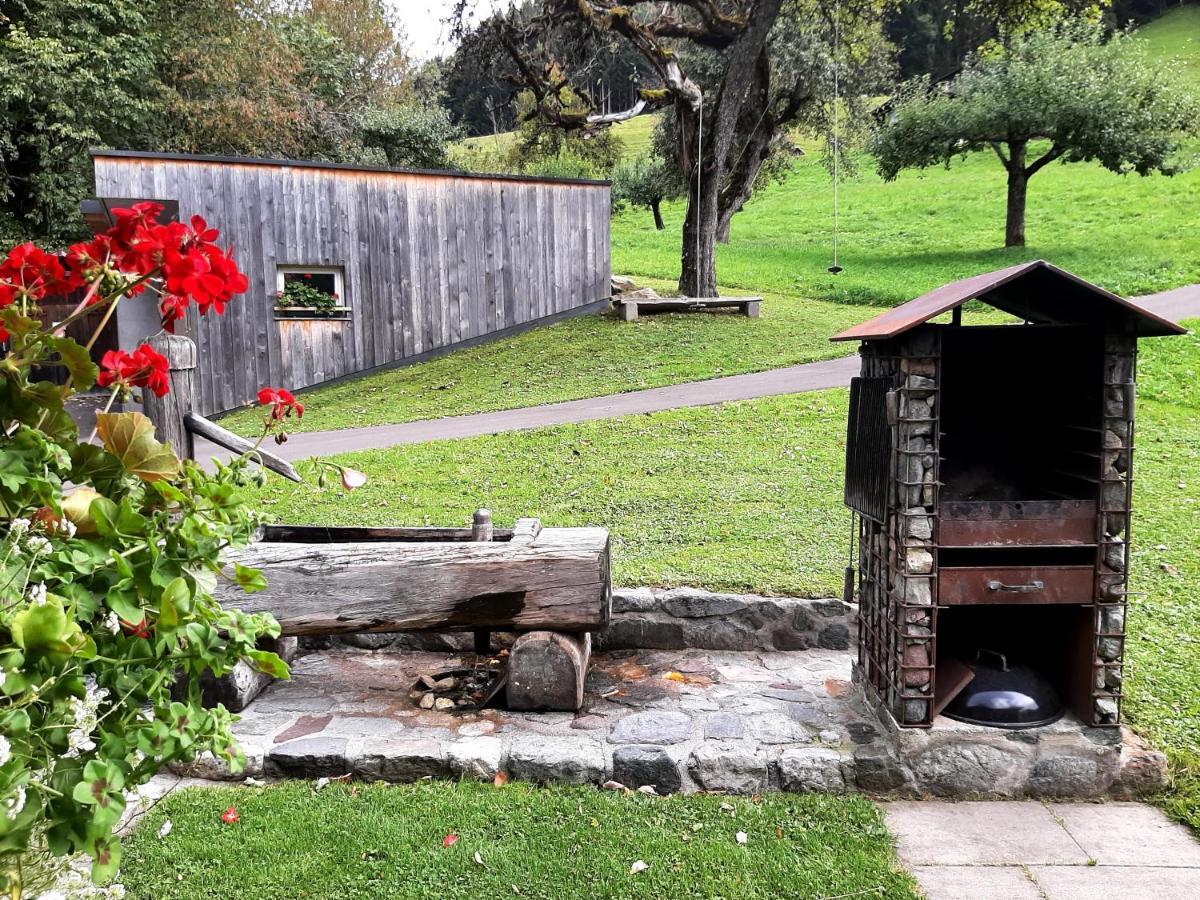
[
  {"x": 745, "y": 496},
  {"x": 375, "y": 841},
  {"x": 1175, "y": 35}
]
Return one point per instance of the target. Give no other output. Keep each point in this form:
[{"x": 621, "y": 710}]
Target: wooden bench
[
  {"x": 631, "y": 309},
  {"x": 550, "y": 584}
]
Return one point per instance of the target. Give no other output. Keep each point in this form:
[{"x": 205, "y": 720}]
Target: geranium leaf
[
  {"x": 40, "y": 627},
  {"x": 130, "y": 437},
  {"x": 76, "y": 359},
  {"x": 15, "y": 323},
  {"x": 251, "y": 580},
  {"x": 268, "y": 662}
]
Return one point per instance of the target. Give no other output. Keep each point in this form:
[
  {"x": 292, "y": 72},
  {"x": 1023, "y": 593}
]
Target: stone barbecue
[{"x": 991, "y": 469}]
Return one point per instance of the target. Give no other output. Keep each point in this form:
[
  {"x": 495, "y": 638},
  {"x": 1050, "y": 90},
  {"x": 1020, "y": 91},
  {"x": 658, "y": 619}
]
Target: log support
[{"x": 547, "y": 669}]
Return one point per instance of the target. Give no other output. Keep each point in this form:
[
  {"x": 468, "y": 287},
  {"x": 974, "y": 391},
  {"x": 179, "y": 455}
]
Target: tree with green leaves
[
  {"x": 735, "y": 75},
  {"x": 645, "y": 183},
  {"x": 1071, "y": 93},
  {"x": 73, "y": 73}
]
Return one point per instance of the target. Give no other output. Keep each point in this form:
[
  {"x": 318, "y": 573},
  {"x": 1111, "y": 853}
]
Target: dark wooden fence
[{"x": 429, "y": 261}]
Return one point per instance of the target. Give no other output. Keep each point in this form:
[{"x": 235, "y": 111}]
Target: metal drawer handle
[{"x": 1030, "y": 588}]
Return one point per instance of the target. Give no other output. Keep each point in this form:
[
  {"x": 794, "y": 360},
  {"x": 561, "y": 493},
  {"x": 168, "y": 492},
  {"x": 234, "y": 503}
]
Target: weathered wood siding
[{"x": 430, "y": 260}]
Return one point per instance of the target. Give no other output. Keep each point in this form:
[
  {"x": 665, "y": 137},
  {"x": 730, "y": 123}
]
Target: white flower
[
  {"x": 14, "y": 804},
  {"x": 37, "y": 594},
  {"x": 67, "y": 527},
  {"x": 37, "y": 544},
  {"x": 5, "y": 750},
  {"x": 165, "y": 830},
  {"x": 111, "y": 623},
  {"x": 17, "y": 527}
]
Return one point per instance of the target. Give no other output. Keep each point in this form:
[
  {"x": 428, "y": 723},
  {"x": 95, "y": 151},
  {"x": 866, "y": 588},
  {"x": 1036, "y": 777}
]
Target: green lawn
[
  {"x": 386, "y": 841},
  {"x": 1176, "y": 35}
]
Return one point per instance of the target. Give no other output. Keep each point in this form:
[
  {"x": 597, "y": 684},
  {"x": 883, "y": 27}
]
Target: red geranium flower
[
  {"x": 144, "y": 367},
  {"x": 30, "y": 272},
  {"x": 230, "y": 816},
  {"x": 140, "y": 630},
  {"x": 281, "y": 401}
]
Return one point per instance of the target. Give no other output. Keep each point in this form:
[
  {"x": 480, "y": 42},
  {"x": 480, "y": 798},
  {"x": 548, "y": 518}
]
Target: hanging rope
[
  {"x": 837, "y": 146},
  {"x": 699, "y": 183}
]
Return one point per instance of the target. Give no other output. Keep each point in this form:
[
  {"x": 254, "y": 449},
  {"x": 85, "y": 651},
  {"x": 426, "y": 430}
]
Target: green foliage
[
  {"x": 542, "y": 149},
  {"x": 299, "y": 294},
  {"x": 73, "y": 73},
  {"x": 1093, "y": 98},
  {"x": 644, "y": 183},
  {"x": 109, "y": 556},
  {"x": 416, "y": 137}
]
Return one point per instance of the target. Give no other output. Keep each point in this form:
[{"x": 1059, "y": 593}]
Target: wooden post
[
  {"x": 481, "y": 530},
  {"x": 168, "y": 413},
  {"x": 629, "y": 310},
  {"x": 547, "y": 670}
]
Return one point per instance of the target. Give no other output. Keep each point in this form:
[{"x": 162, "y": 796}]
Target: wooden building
[{"x": 421, "y": 262}]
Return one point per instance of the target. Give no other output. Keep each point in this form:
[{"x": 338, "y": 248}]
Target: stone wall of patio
[{"x": 735, "y": 714}]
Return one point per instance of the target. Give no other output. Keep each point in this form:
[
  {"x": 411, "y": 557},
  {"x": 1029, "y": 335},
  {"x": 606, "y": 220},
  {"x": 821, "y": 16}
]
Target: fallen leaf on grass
[
  {"x": 500, "y": 780},
  {"x": 637, "y": 867},
  {"x": 165, "y": 830},
  {"x": 253, "y": 782},
  {"x": 614, "y": 786},
  {"x": 320, "y": 783},
  {"x": 450, "y": 840},
  {"x": 742, "y": 837},
  {"x": 1169, "y": 569},
  {"x": 648, "y": 789},
  {"x": 478, "y": 859},
  {"x": 231, "y": 816}
]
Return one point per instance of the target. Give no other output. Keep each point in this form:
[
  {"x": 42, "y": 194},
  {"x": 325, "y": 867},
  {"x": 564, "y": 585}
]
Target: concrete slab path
[
  {"x": 1178, "y": 304},
  {"x": 996, "y": 850}
]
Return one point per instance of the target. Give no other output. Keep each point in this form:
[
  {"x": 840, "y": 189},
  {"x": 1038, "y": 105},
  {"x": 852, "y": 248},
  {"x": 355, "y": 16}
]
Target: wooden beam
[
  {"x": 559, "y": 581},
  {"x": 213, "y": 432}
]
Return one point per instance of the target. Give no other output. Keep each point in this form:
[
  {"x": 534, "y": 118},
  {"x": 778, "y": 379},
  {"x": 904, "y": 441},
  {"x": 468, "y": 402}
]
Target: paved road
[
  {"x": 791, "y": 380},
  {"x": 1181, "y": 303},
  {"x": 1177, "y": 304}
]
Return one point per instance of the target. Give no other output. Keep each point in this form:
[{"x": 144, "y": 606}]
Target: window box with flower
[{"x": 310, "y": 294}]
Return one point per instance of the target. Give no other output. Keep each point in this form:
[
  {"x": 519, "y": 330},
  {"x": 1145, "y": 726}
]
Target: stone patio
[
  {"x": 679, "y": 720},
  {"x": 1044, "y": 851}
]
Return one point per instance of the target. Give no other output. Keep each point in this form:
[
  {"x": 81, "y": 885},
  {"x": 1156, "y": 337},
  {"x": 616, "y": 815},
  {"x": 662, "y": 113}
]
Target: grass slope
[
  {"x": 898, "y": 240},
  {"x": 1176, "y": 35},
  {"x": 386, "y": 841}
]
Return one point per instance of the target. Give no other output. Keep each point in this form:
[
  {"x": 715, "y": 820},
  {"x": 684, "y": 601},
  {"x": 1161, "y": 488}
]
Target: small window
[{"x": 310, "y": 291}]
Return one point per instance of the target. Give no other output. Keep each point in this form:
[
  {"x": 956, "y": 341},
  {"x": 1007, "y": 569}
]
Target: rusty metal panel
[
  {"x": 997, "y": 523},
  {"x": 1015, "y": 584},
  {"x": 1046, "y": 295}
]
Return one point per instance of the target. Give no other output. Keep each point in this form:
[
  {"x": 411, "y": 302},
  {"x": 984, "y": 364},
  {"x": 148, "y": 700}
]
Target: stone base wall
[
  {"x": 675, "y": 619},
  {"x": 1064, "y": 760}
]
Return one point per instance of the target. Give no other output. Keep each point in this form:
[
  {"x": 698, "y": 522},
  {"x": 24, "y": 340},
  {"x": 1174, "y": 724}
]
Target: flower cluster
[
  {"x": 144, "y": 367},
  {"x": 138, "y": 247}
]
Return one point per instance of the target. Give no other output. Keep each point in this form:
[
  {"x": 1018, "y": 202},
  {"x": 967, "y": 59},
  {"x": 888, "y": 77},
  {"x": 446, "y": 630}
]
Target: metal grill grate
[{"x": 868, "y": 448}]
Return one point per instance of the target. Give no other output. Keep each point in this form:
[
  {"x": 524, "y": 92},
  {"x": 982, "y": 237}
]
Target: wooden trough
[{"x": 550, "y": 584}]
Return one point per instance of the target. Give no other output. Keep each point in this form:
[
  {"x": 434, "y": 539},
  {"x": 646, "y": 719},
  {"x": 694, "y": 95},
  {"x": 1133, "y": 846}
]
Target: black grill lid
[{"x": 1005, "y": 696}]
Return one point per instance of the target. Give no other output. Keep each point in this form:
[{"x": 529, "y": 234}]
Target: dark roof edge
[
  {"x": 984, "y": 283},
  {"x": 99, "y": 153}
]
